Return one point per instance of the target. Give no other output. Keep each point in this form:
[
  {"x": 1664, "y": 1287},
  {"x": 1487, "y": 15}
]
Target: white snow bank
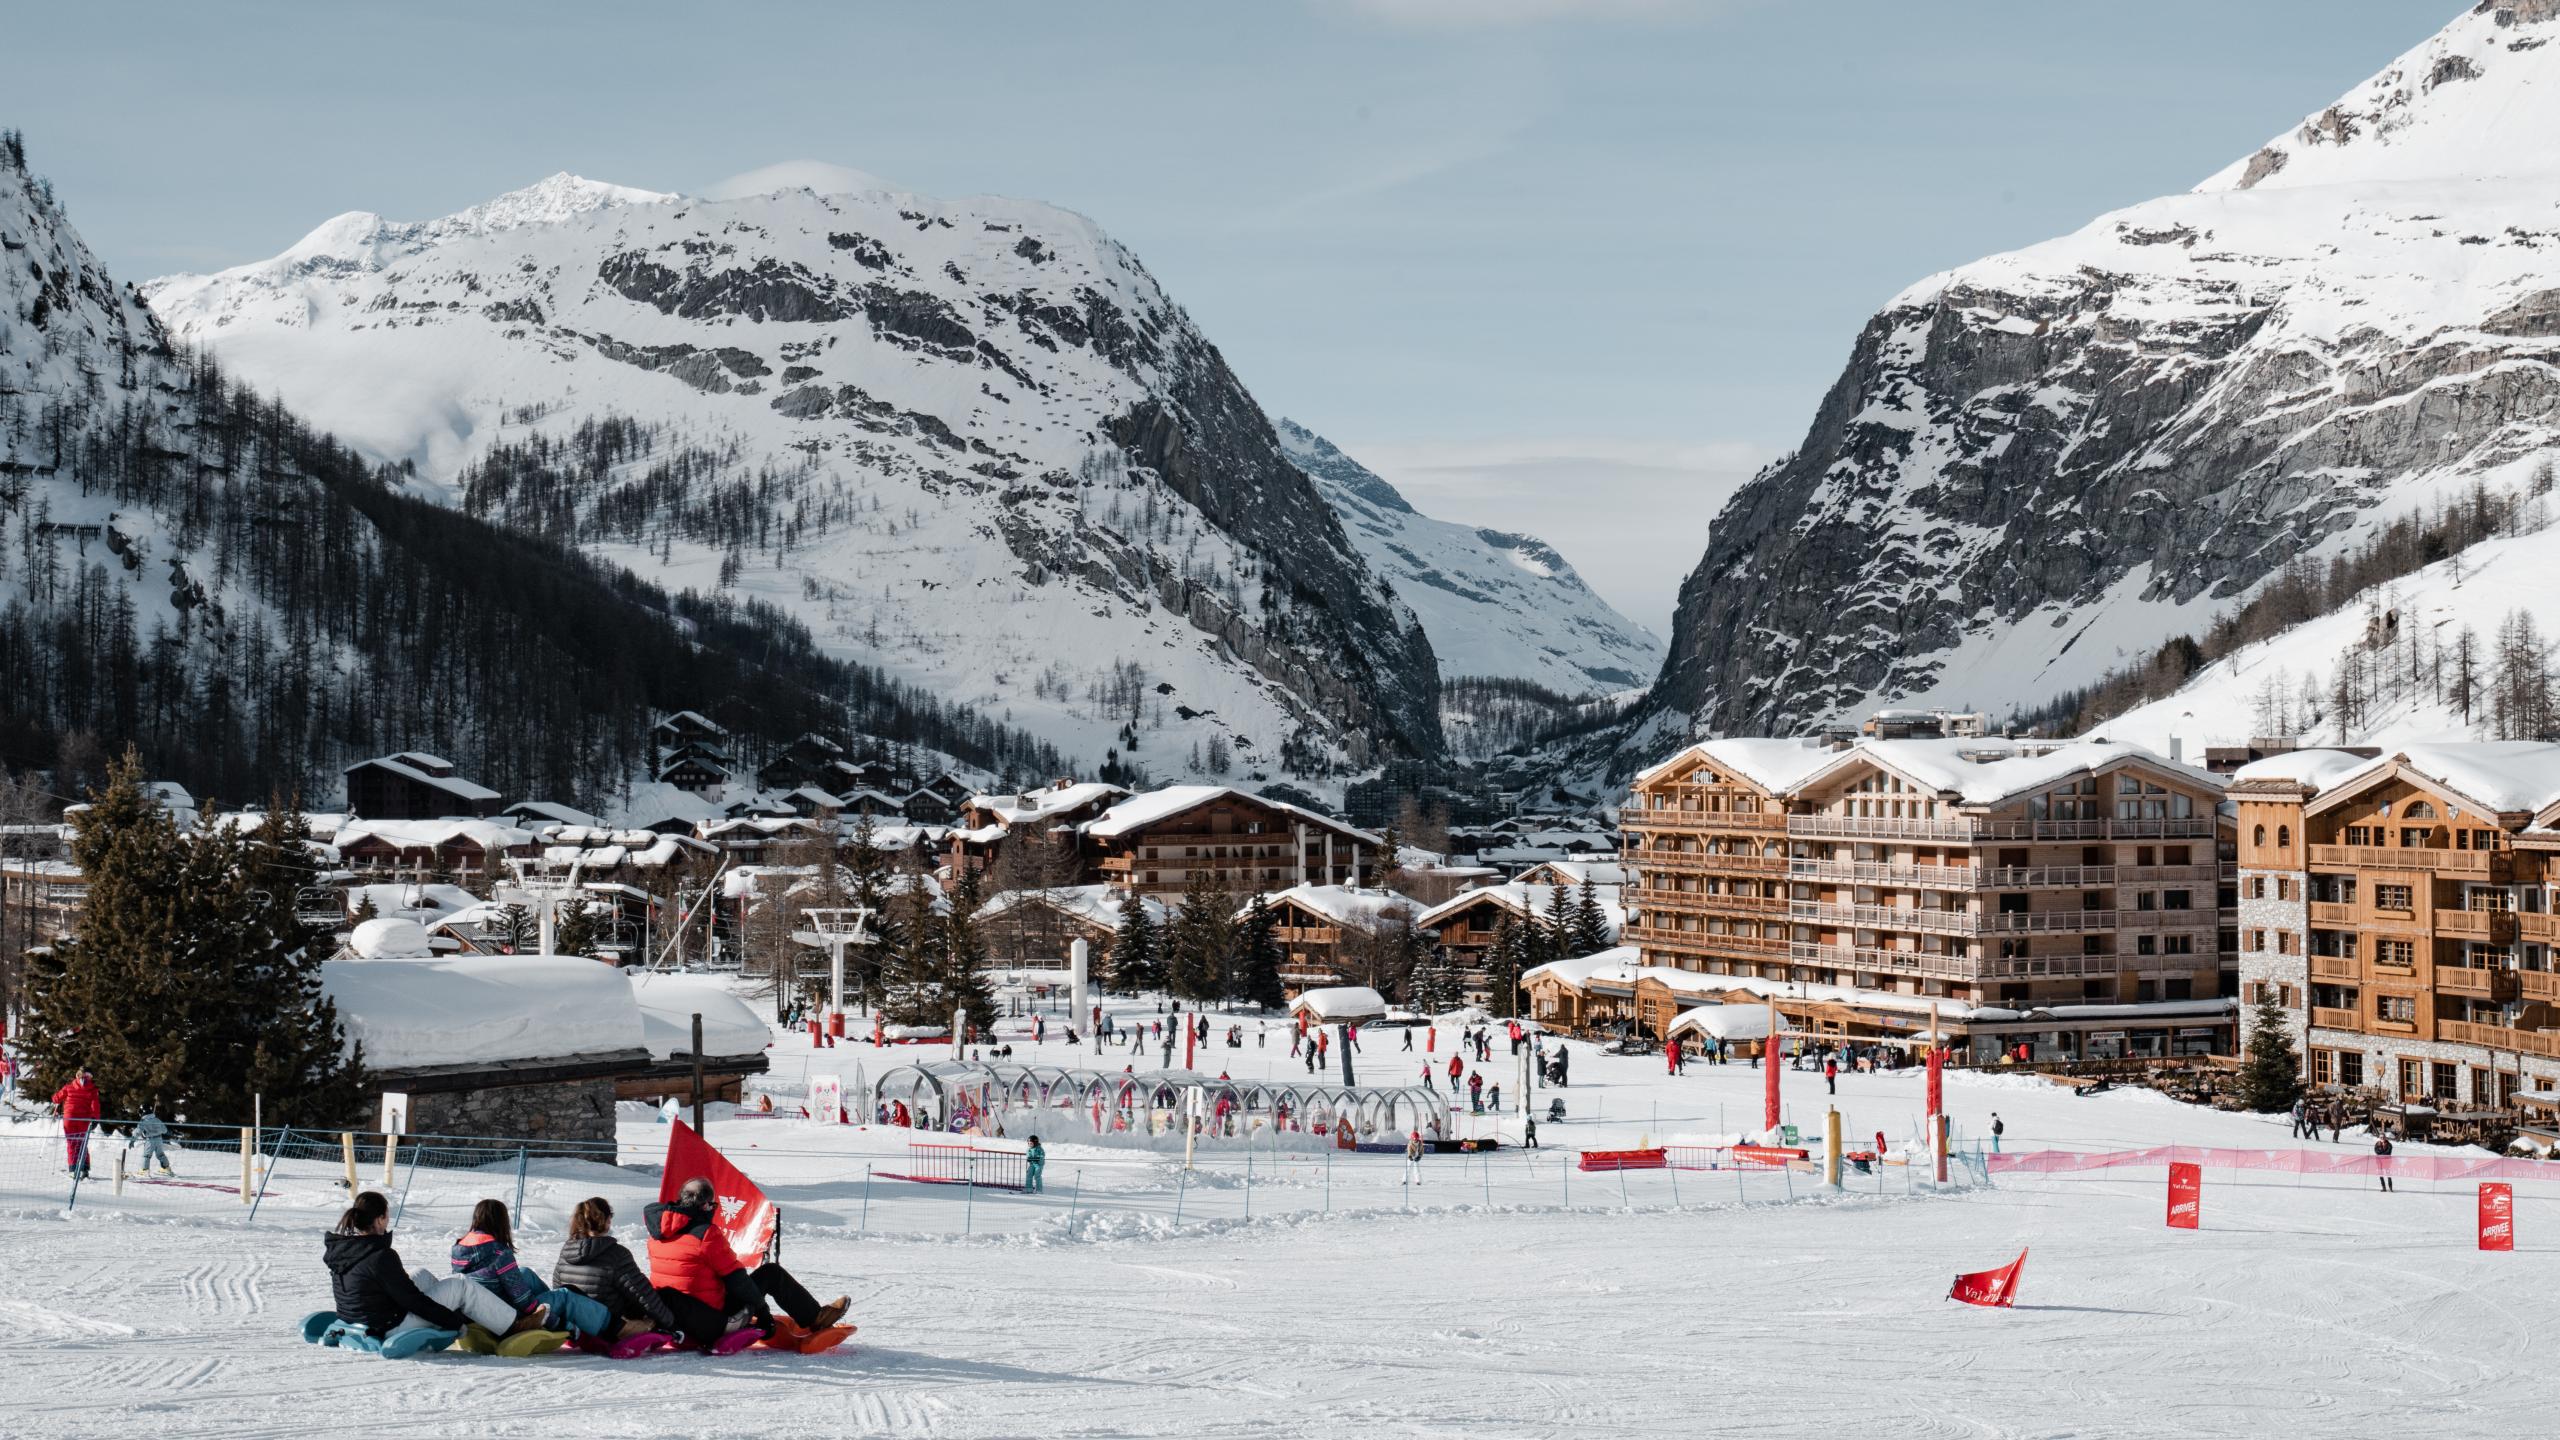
[
  {"x": 482, "y": 1009},
  {"x": 1341, "y": 1002}
]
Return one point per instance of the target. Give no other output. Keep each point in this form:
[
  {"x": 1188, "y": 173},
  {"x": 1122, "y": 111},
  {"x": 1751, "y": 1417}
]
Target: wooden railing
[
  {"x": 2498, "y": 1037},
  {"x": 2328, "y": 1018},
  {"x": 1700, "y": 820},
  {"x": 2336, "y": 967},
  {"x": 2476, "y": 983},
  {"x": 2545, "y": 928},
  {"x": 2541, "y": 985},
  {"x": 2497, "y": 927},
  {"x": 2394, "y": 857},
  {"x": 2337, "y": 914}
]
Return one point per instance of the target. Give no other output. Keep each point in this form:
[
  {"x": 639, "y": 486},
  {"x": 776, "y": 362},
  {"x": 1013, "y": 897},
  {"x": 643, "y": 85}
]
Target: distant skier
[
  {"x": 1529, "y": 1132},
  {"x": 152, "y": 1131},
  {"x": 1997, "y": 1130},
  {"x": 1563, "y": 1057},
  {"x": 1034, "y": 1160},
  {"x": 1413, "y": 1158},
  {"x": 78, "y": 1105},
  {"x": 1408, "y": 1039},
  {"x": 2382, "y": 1152},
  {"x": 1831, "y": 1076}
]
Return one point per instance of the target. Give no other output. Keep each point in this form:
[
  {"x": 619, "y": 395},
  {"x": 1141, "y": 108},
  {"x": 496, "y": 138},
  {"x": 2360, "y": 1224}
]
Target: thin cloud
[{"x": 1493, "y": 14}]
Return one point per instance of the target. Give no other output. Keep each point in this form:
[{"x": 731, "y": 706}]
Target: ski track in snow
[{"x": 2310, "y": 1310}]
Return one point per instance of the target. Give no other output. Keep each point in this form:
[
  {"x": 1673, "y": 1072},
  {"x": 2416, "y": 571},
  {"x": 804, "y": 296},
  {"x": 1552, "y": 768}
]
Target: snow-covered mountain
[
  {"x": 1493, "y": 603},
  {"x": 2038, "y": 467},
  {"x": 189, "y": 569},
  {"x": 971, "y": 442}
]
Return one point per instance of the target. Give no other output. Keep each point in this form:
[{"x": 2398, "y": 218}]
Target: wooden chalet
[
  {"x": 413, "y": 785},
  {"x": 1156, "y": 842}
]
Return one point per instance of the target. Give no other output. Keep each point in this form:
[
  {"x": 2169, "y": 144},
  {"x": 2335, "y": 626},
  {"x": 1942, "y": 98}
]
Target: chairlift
[{"x": 319, "y": 905}]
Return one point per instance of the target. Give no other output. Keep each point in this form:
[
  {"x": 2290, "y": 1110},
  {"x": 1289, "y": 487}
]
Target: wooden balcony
[
  {"x": 1888, "y": 917},
  {"x": 2334, "y": 915},
  {"x": 2543, "y": 985},
  {"x": 2495, "y": 927},
  {"x": 2337, "y": 967},
  {"x": 2476, "y": 983},
  {"x": 2331, "y": 1019},
  {"x": 2393, "y": 857},
  {"x": 2499, "y": 1037},
  {"x": 1640, "y": 820},
  {"x": 2385, "y": 1025},
  {"x": 2544, "y": 929}
]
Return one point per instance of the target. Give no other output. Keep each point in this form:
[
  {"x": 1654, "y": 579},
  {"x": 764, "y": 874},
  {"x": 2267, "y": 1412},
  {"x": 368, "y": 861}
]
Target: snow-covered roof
[
  {"x": 2502, "y": 776},
  {"x": 2317, "y": 768},
  {"x": 694, "y": 718},
  {"x": 1139, "y": 811},
  {"x": 1986, "y": 771},
  {"x": 1724, "y": 1022},
  {"x": 1578, "y": 971},
  {"x": 1574, "y": 872},
  {"x": 551, "y": 811},
  {"x": 1361, "y": 907},
  {"x": 1774, "y": 765},
  {"x": 1340, "y": 1002},
  {"x": 1532, "y": 901},
  {"x": 668, "y": 1004},
  {"x": 481, "y": 1009},
  {"x": 418, "y": 766},
  {"x": 1033, "y": 806},
  {"x": 426, "y": 904},
  {"x": 1099, "y": 904},
  {"x": 432, "y": 834}
]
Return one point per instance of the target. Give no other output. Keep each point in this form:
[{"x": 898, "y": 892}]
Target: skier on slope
[
  {"x": 79, "y": 1106},
  {"x": 153, "y": 1132}
]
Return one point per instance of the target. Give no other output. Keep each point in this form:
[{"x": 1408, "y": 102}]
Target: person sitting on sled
[
  {"x": 369, "y": 1287},
  {"x": 487, "y": 1253},
  {"x": 711, "y": 1292},
  {"x": 596, "y": 1265}
]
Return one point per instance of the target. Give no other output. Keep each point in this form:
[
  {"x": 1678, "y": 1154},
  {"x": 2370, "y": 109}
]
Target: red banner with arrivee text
[
  {"x": 2497, "y": 1216},
  {"x": 1995, "y": 1288},
  {"x": 2186, "y": 1196},
  {"x": 745, "y": 1215}
]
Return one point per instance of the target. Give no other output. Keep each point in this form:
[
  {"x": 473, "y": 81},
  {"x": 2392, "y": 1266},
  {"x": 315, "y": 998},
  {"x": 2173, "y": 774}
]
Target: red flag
[
  {"x": 745, "y": 1216},
  {"x": 2497, "y": 1216},
  {"x": 1769, "y": 1083},
  {"x": 2186, "y": 1195},
  {"x": 1937, "y": 1080},
  {"x": 1996, "y": 1288}
]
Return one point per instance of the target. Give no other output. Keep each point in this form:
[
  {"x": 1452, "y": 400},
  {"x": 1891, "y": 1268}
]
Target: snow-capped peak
[
  {"x": 545, "y": 202},
  {"x": 2449, "y": 109}
]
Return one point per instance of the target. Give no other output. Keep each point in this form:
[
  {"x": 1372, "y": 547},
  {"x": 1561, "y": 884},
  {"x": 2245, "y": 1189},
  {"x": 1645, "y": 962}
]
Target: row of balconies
[
  {"x": 1959, "y": 830},
  {"x": 2394, "y": 857}
]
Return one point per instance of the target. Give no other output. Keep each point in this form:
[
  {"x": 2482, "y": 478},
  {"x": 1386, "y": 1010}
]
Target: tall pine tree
[
  {"x": 2271, "y": 1077},
  {"x": 1258, "y": 958},
  {"x": 1590, "y": 922},
  {"x": 1559, "y": 924},
  {"x": 189, "y": 980},
  {"x": 964, "y": 958},
  {"x": 1137, "y": 953}
]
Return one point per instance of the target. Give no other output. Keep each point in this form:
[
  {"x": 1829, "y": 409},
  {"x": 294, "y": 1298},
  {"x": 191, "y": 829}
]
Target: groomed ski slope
[{"x": 2311, "y": 1309}]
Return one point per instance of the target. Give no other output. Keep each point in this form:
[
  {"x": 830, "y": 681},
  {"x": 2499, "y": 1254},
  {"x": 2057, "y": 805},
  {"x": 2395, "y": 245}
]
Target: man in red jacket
[
  {"x": 78, "y": 1103},
  {"x": 698, "y": 1273}
]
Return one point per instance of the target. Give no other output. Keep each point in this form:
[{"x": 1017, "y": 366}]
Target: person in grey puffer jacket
[{"x": 595, "y": 1264}]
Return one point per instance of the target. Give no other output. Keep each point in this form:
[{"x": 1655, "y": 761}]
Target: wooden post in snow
[
  {"x": 347, "y": 1141},
  {"x": 697, "y": 1072}
]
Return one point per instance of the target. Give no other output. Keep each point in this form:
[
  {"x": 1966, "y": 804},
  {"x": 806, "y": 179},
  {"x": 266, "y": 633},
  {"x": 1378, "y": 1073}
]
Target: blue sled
[{"x": 323, "y": 1327}]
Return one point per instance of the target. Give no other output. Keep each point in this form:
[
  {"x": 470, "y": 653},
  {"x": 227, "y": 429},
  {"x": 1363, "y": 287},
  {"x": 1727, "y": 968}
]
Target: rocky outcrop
[{"x": 2045, "y": 463}]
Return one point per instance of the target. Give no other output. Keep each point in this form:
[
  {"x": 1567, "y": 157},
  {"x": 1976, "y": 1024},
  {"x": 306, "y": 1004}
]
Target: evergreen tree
[
  {"x": 2271, "y": 1078},
  {"x": 1503, "y": 964},
  {"x": 1590, "y": 922},
  {"x": 365, "y": 910},
  {"x": 576, "y": 929},
  {"x": 1537, "y": 946},
  {"x": 1137, "y": 954},
  {"x": 1559, "y": 925},
  {"x": 1258, "y": 958},
  {"x": 1197, "y": 962},
  {"x": 867, "y": 887},
  {"x": 964, "y": 958},
  {"x": 189, "y": 979},
  {"x": 517, "y": 930},
  {"x": 1436, "y": 988},
  {"x": 910, "y": 992}
]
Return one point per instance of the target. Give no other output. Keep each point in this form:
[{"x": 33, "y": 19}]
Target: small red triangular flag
[{"x": 1996, "y": 1288}]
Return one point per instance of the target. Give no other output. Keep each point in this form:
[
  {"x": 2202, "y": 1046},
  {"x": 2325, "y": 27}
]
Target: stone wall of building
[
  {"x": 573, "y": 1114},
  {"x": 2382, "y": 1055},
  {"x": 2267, "y": 919}
]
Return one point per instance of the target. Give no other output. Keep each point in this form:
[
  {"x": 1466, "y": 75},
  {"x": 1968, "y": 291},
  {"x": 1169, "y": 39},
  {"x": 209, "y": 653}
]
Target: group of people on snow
[{"x": 696, "y": 1290}]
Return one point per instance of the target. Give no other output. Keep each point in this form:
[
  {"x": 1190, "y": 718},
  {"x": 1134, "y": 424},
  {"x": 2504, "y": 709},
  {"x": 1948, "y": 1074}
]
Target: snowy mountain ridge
[
  {"x": 2037, "y": 467},
  {"x": 1494, "y": 603},
  {"x": 971, "y": 442}
]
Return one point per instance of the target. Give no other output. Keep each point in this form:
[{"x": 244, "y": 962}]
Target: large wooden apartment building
[
  {"x": 2400, "y": 909},
  {"x": 1999, "y": 872},
  {"x": 1155, "y": 842}
]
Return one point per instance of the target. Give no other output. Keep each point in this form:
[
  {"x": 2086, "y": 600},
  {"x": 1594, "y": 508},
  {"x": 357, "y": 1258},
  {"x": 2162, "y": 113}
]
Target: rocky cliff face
[
  {"x": 1495, "y": 604},
  {"x": 970, "y": 442},
  {"x": 2046, "y": 462}
]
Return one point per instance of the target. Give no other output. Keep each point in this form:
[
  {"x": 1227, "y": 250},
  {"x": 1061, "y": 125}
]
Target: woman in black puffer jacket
[
  {"x": 367, "y": 1282},
  {"x": 595, "y": 1264}
]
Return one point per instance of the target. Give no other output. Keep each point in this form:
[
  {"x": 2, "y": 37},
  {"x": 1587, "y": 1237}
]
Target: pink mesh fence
[{"x": 2285, "y": 1162}]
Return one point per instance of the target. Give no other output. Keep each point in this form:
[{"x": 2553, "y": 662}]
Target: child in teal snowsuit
[{"x": 1032, "y": 1164}]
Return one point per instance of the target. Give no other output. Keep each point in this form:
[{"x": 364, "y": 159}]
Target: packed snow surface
[{"x": 1503, "y": 1297}]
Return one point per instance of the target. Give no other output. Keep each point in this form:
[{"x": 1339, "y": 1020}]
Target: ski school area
[{"x": 1660, "y": 1262}]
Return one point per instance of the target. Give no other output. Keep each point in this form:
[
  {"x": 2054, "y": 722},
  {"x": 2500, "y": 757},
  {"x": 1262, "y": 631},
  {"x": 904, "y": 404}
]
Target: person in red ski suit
[
  {"x": 79, "y": 1106},
  {"x": 1671, "y": 1056}
]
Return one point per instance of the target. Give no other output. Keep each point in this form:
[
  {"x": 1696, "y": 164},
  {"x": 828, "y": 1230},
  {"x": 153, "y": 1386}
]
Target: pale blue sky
[{"x": 1562, "y": 267}]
